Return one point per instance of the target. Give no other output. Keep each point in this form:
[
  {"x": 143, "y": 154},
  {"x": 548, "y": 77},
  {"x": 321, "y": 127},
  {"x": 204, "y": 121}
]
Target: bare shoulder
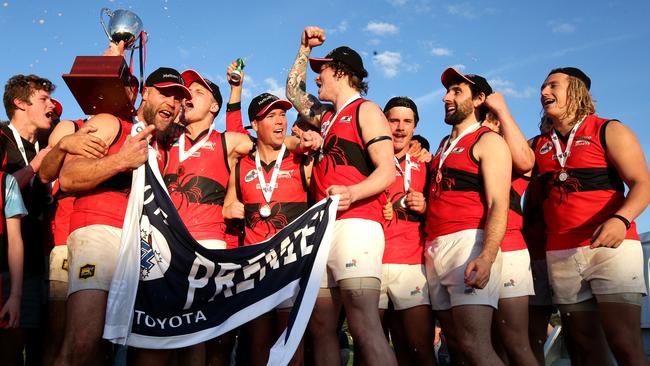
[
  {"x": 491, "y": 144},
  {"x": 62, "y": 129},
  {"x": 108, "y": 126}
]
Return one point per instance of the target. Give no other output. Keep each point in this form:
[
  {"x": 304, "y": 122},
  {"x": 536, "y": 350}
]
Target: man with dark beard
[
  {"x": 95, "y": 225},
  {"x": 466, "y": 219}
]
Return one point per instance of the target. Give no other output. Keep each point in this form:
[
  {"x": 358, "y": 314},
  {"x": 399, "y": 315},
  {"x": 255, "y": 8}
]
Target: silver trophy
[{"x": 124, "y": 25}]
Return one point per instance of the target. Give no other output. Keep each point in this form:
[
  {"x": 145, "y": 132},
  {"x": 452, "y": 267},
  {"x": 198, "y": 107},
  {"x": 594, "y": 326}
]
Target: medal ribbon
[
  {"x": 406, "y": 173},
  {"x": 19, "y": 143},
  {"x": 267, "y": 189},
  {"x": 448, "y": 147},
  {"x": 563, "y": 155},
  {"x": 182, "y": 155}
]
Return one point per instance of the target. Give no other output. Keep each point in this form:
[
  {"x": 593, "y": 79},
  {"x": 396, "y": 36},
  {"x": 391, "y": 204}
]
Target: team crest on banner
[{"x": 170, "y": 292}]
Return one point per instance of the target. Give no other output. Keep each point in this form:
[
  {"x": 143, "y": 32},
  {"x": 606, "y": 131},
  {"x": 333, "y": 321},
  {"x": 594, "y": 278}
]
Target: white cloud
[
  {"x": 274, "y": 87},
  {"x": 459, "y": 67},
  {"x": 397, "y": 2},
  {"x": 388, "y": 62},
  {"x": 440, "y": 51},
  {"x": 381, "y": 28},
  {"x": 562, "y": 27},
  {"x": 429, "y": 97},
  {"x": 508, "y": 88},
  {"x": 465, "y": 10},
  {"x": 342, "y": 27}
]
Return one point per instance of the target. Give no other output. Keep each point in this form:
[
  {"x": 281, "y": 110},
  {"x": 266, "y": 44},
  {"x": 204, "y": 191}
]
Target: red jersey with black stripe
[
  {"x": 513, "y": 238},
  {"x": 403, "y": 234},
  {"x": 106, "y": 203},
  {"x": 345, "y": 161},
  {"x": 197, "y": 186},
  {"x": 593, "y": 192},
  {"x": 457, "y": 201},
  {"x": 288, "y": 201},
  {"x": 64, "y": 203}
]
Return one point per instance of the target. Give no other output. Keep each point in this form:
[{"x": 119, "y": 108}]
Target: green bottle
[{"x": 235, "y": 76}]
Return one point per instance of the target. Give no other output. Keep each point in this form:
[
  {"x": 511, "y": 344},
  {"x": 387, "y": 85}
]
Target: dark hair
[
  {"x": 405, "y": 102},
  {"x": 423, "y": 142},
  {"x": 354, "y": 80},
  {"x": 22, "y": 87}
]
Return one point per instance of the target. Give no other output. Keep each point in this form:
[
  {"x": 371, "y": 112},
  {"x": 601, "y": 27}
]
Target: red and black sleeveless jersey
[
  {"x": 289, "y": 199},
  {"x": 534, "y": 228},
  {"x": 64, "y": 202},
  {"x": 513, "y": 238},
  {"x": 457, "y": 202},
  {"x": 345, "y": 161},
  {"x": 106, "y": 203},
  {"x": 594, "y": 191},
  {"x": 197, "y": 186},
  {"x": 36, "y": 231},
  {"x": 404, "y": 234}
]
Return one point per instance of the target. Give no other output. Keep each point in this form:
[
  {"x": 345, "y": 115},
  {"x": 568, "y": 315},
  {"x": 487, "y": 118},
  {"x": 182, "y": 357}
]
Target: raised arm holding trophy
[{"x": 105, "y": 84}]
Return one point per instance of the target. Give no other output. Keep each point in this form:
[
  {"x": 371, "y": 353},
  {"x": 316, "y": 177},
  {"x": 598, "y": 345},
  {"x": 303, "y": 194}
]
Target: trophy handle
[{"x": 109, "y": 13}]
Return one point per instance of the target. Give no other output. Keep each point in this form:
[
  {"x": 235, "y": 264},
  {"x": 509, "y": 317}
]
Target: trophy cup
[{"x": 105, "y": 84}]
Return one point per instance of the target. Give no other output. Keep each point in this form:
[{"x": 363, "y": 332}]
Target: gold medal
[{"x": 438, "y": 176}]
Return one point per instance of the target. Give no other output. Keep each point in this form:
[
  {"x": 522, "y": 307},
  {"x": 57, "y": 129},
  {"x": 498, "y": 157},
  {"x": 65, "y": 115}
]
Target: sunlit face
[
  {"x": 161, "y": 106},
  {"x": 402, "y": 125},
  {"x": 201, "y": 105},
  {"x": 554, "y": 95},
  {"x": 327, "y": 83},
  {"x": 271, "y": 128},
  {"x": 458, "y": 103},
  {"x": 40, "y": 109}
]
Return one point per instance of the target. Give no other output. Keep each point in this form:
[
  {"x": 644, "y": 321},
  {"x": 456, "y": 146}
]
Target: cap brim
[
  {"x": 190, "y": 76},
  {"x": 58, "y": 107},
  {"x": 450, "y": 75},
  {"x": 169, "y": 85},
  {"x": 284, "y": 104},
  {"x": 317, "y": 63}
]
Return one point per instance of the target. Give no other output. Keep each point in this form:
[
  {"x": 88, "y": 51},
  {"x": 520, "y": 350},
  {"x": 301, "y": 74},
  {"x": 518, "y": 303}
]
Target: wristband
[
  {"x": 625, "y": 221},
  {"x": 232, "y": 107}
]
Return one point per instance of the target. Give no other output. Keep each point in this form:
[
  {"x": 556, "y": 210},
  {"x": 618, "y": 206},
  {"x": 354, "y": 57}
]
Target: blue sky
[{"x": 405, "y": 44}]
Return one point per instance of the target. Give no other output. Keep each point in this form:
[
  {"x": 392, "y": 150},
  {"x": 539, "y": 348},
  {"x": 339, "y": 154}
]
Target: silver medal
[
  {"x": 402, "y": 202},
  {"x": 563, "y": 176},
  {"x": 265, "y": 211}
]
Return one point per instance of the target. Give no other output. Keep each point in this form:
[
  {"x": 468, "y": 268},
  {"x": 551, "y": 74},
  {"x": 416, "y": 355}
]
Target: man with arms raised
[
  {"x": 511, "y": 317},
  {"x": 102, "y": 185},
  {"x": 594, "y": 257},
  {"x": 466, "y": 221},
  {"x": 355, "y": 162}
]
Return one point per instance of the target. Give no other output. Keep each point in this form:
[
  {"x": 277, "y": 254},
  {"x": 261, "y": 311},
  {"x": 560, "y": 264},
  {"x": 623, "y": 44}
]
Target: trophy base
[{"x": 103, "y": 84}]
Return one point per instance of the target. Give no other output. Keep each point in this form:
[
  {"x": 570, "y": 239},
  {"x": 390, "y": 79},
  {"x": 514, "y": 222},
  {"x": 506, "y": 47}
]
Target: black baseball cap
[
  {"x": 343, "y": 54},
  {"x": 451, "y": 76},
  {"x": 263, "y": 103},
  {"x": 166, "y": 77},
  {"x": 573, "y": 71},
  {"x": 403, "y": 102},
  {"x": 190, "y": 76}
]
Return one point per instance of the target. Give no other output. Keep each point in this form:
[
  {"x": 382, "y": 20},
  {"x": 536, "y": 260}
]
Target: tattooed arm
[{"x": 307, "y": 105}]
